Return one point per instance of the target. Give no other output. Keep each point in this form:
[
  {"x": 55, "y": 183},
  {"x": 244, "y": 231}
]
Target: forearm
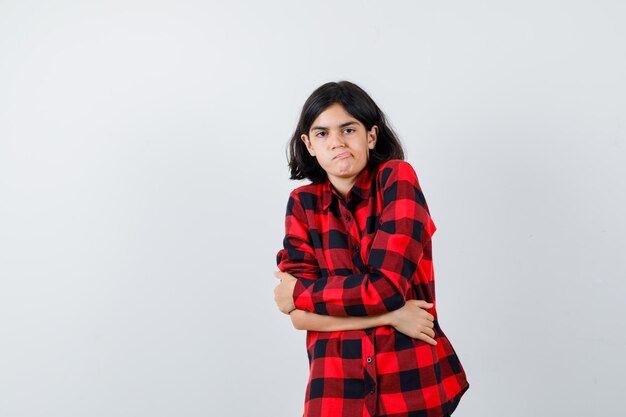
[
  {"x": 356, "y": 295},
  {"x": 306, "y": 320}
]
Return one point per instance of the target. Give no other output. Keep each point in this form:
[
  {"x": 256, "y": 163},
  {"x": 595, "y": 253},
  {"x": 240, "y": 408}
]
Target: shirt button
[
  {"x": 369, "y": 359},
  {"x": 372, "y": 391},
  {"x": 348, "y": 218},
  {"x": 356, "y": 248}
]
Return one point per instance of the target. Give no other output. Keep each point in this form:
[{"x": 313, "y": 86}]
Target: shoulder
[
  {"x": 398, "y": 182},
  {"x": 311, "y": 189},
  {"x": 394, "y": 170},
  {"x": 306, "y": 195}
]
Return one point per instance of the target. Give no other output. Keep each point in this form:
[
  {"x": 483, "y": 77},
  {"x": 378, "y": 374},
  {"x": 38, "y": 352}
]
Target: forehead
[{"x": 334, "y": 115}]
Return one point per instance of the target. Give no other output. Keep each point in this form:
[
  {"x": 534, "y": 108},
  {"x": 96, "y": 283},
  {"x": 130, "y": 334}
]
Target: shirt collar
[{"x": 360, "y": 188}]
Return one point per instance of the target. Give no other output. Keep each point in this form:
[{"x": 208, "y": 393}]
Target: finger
[
  {"x": 427, "y": 316},
  {"x": 427, "y": 323},
  {"x": 427, "y": 339}
]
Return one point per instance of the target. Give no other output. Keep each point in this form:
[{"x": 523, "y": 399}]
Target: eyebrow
[{"x": 341, "y": 125}]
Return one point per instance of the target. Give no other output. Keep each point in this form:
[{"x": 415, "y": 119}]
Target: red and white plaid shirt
[{"x": 366, "y": 255}]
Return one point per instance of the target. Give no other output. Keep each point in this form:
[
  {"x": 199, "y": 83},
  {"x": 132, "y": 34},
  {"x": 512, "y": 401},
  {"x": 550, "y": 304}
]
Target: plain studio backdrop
[{"x": 144, "y": 182}]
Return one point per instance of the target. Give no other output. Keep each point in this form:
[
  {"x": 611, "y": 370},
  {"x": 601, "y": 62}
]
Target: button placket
[
  {"x": 369, "y": 364},
  {"x": 352, "y": 227}
]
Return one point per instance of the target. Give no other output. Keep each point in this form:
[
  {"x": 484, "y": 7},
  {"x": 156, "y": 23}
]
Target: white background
[{"x": 144, "y": 181}]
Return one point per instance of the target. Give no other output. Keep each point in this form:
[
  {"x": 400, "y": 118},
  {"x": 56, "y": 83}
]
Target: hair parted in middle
[{"x": 361, "y": 106}]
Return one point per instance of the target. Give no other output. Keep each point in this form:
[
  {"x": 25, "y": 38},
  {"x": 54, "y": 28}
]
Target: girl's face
[{"x": 340, "y": 143}]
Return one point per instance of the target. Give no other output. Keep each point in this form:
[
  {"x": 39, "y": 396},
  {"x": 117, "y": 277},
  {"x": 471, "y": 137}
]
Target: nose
[{"x": 335, "y": 140}]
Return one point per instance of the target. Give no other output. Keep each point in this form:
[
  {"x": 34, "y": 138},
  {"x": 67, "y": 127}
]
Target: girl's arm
[
  {"x": 305, "y": 320},
  {"x": 412, "y": 319}
]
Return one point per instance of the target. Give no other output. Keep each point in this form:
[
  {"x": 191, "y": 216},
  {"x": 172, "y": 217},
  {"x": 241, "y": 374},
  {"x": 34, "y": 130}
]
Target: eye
[
  {"x": 320, "y": 134},
  {"x": 349, "y": 130}
]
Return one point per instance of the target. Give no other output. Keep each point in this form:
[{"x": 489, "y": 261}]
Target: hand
[
  {"x": 414, "y": 321},
  {"x": 283, "y": 293}
]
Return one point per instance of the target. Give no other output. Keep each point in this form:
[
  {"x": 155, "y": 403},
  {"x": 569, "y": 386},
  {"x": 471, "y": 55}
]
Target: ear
[
  {"x": 307, "y": 143},
  {"x": 372, "y": 136}
]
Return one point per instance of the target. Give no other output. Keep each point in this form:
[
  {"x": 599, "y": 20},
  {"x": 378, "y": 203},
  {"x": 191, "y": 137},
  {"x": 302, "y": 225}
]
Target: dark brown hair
[{"x": 361, "y": 106}]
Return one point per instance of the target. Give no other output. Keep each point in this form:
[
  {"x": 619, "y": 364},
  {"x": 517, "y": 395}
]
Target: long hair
[{"x": 361, "y": 106}]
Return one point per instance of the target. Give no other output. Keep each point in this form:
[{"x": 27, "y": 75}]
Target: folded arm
[
  {"x": 397, "y": 247},
  {"x": 411, "y": 319}
]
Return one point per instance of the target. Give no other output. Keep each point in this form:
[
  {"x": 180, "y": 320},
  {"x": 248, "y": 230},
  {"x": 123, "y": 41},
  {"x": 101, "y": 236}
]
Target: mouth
[{"x": 342, "y": 155}]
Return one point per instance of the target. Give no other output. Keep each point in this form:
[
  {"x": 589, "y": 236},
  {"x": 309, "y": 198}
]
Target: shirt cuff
[{"x": 301, "y": 298}]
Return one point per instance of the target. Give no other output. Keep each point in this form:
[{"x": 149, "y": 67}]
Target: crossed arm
[
  {"x": 372, "y": 299},
  {"x": 411, "y": 319}
]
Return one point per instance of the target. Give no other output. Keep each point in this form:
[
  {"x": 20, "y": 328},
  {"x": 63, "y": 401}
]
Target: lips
[{"x": 342, "y": 155}]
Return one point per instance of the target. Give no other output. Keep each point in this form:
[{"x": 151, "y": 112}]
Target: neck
[{"x": 342, "y": 185}]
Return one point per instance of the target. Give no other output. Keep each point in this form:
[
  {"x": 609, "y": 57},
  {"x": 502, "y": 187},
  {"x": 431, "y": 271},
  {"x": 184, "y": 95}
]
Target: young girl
[{"x": 356, "y": 268}]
